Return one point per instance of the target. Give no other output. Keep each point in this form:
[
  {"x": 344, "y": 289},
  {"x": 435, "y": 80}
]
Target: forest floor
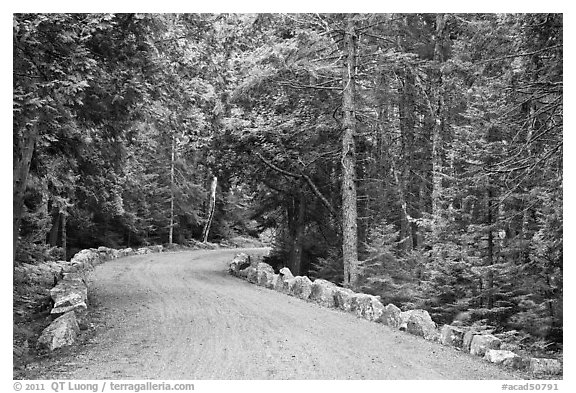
[{"x": 181, "y": 316}]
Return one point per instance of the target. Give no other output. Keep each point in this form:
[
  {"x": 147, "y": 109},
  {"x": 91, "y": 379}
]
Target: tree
[
  {"x": 51, "y": 70},
  {"x": 210, "y": 209},
  {"x": 349, "y": 207}
]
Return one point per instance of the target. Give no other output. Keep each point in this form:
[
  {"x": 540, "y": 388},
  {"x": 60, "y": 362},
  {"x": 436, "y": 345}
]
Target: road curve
[{"x": 181, "y": 316}]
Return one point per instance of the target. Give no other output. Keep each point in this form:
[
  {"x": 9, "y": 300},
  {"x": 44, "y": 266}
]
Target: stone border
[
  {"x": 70, "y": 294},
  {"x": 369, "y": 307}
]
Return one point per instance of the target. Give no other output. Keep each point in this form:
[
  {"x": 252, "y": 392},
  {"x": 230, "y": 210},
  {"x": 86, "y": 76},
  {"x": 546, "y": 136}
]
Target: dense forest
[{"x": 413, "y": 156}]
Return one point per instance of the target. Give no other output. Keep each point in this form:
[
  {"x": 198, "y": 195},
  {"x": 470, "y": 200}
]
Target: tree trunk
[
  {"x": 349, "y": 199},
  {"x": 525, "y": 229},
  {"x": 171, "y": 230},
  {"x": 423, "y": 206},
  {"x": 53, "y": 234},
  {"x": 490, "y": 251},
  {"x": 405, "y": 227},
  {"x": 437, "y": 170},
  {"x": 297, "y": 232},
  {"x": 403, "y": 175},
  {"x": 211, "y": 210},
  {"x": 20, "y": 177},
  {"x": 64, "y": 238}
]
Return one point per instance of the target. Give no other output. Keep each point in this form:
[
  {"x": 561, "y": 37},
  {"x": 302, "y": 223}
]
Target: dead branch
[{"x": 306, "y": 178}]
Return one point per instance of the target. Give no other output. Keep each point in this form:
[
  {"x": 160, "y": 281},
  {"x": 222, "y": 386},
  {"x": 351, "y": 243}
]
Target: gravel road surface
[{"x": 181, "y": 316}]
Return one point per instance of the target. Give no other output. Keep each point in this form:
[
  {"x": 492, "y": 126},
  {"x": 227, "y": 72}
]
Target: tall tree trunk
[
  {"x": 211, "y": 210},
  {"x": 422, "y": 205},
  {"x": 20, "y": 177},
  {"x": 349, "y": 198},
  {"x": 53, "y": 234},
  {"x": 490, "y": 251},
  {"x": 171, "y": 230},
  {"x": 525, "y": 229},
  {"x": 64, "y": 235},
  {"x": 403, "y": 175},
  {"x": 437, "y": 170},
  {"x": 405, "y": 227},
  {"x": 297, "y": 233}
]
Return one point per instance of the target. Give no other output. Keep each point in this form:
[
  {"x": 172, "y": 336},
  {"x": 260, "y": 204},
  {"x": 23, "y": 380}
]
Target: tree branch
[
  {"x": 277, "y": 169},
  {"x": 519, "y": 54},
  {"x": 300, "y": 86},
  {"x": 306, "y": 178}
]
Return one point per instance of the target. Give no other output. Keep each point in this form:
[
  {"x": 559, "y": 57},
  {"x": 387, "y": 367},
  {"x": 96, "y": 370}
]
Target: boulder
[
  {"x": 243, "y": 261},
  {"x": 69, "y": 268},
  {"x": 499, "y": 356},
  {"x": 542, "y": 366},
  {"x": 86, "y": 258},
  {"x": 467, "y": 341},
  {"x": 243, "y": 273},
  {"x": 240, "y": 262},
  {"x": 300, "y": 287},
  {"x": 70, "y": 302},
  {"x": 142, "y": 251},
  {"x": 343, "y": 299},
  {"x": 77, "y": 277},
  {"x": 233, "y": 268},
  {"x": 264, "y": 274},
  {"x": 66, "y": 287},
  {"x": 452, "y": 336},
  {"x": 252, "y": 274},
  {"x": 281, "y": 284},
  {"x": 264, "y": 267},
  {"x": 390, "y": 316},
  {"x": 323, "y": 292},
  {"x": 518, "y": 362},
  {"x": 286, "y": 273},
  {"x": 126, "y": 252},
  {"x": 272, "y": 283},
  {"x": 81, "y": 266},
  {"x": 105, "y": 253},
  {"x": 286, "y": 285},
  {"x": 483, "y": 342},
  {"x": 367, "y": 306},
  {"x": 69, "y": 295},
  {"x": 61, "y": 332},
  {"x": 66, "y": 267},
  {"x": 263, "y": 277},
  {"x": 418, "y": 323}
]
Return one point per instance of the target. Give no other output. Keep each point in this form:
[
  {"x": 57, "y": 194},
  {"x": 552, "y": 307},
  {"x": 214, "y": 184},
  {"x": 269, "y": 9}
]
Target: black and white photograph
[{"x": 287, "y": 196}]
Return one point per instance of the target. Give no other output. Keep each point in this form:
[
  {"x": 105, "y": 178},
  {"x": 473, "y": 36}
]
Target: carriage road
[{"x": 181, "y": 316}]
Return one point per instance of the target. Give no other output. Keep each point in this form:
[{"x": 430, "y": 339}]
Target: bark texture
[
  {"x": 211, "y": 209},
  {"x": 349, "y": 197}
]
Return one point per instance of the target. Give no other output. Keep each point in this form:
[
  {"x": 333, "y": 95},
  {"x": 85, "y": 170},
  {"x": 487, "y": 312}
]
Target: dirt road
[{"x": 181, "y": 316}]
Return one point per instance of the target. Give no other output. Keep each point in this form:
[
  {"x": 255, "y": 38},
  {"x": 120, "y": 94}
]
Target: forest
[{"x": 413, "y": 156}]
